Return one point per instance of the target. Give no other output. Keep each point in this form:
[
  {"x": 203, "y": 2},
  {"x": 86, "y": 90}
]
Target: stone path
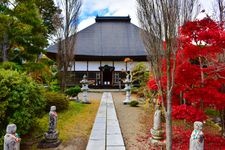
[{"x": 106, "y": 133}]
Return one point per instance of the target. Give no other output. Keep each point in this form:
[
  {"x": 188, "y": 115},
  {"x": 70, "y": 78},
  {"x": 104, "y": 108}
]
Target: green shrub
[
  {"x": 134, "y": 90},
  {"x": 1, "y": 138},
  {"x": 73, "y": 91},
  {"x": 21, "y": 101},
  {"x": 212, "y": 112},
  {"x": 54, "y": 86},
  {"x": 56, "y": 99},
  {"x": 10, "y": 66},
  {"x": 140, "y": 74},
  {"x": 134, "y": 103}
]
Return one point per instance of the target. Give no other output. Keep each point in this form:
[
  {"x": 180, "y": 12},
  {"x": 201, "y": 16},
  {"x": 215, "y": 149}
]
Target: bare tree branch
[{"x": 66, "y": 35}]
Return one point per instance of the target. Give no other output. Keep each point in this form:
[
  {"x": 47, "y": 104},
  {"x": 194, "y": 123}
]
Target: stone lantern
[
  {"x": 85, "y": 89},
  {"x": 127, "y": 88}
]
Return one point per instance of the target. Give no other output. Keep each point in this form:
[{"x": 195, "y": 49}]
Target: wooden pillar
[
  {"x": 87, "y": 69},
  {"x": 74, "y": 69},
  {"x": 113, "y": 74},
  {"x": 126, "y": 66},
  {"x": 101, "y": 74}
]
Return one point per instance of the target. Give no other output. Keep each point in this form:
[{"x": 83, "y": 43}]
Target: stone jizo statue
[
  {"x": 52, "y": 120},
  {"x": 157, "y": 125},
  {"x": 51, "y": 137},
  {"x": 11, "y": 139},
  {"x": 157, "y": 131},
  {"x": 197, "y": 137}
]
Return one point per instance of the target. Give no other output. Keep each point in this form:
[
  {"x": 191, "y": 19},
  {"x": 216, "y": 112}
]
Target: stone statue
[
  {"x": 51, "y": 137},
  {"x": 197, "y": 137},
  {"x": 52, "y": 120},
  {"x": 157, "y": 119},
  {"x": 11, "y": 139},
  {"x": 157, "y": 131}
]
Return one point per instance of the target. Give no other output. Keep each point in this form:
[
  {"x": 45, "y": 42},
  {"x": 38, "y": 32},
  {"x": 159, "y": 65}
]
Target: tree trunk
[
  {"x": 222, "y": 116},
  {"x": 5, "y": 48},
  {"x": 169, "y": 123},
  {"x": 202, "y": 80},
  {"x": 221, "y": 10},
  {"x": 168, "y": 102}
]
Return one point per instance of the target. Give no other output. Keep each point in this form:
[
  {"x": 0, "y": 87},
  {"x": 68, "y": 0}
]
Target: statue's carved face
[
  {"x": 11, "y": 129},
  {"x": 198, "y": 125},
  {"x": 53, "y": 108}
]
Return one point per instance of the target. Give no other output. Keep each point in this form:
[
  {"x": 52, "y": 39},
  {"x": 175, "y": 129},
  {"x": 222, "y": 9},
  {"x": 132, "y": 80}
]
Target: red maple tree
[{"x": 199, "y": 73}]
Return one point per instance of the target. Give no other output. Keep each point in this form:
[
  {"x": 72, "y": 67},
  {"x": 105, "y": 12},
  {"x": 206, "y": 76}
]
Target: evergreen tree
[
  {"x": 22, "y": 33},
  {"x": 48, "y": 11}
]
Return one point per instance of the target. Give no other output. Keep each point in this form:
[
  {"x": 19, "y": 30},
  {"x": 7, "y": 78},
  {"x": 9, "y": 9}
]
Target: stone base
[
  {"x": 51, "y": 137},
  {"x": 45, "y": 144},
  {"x": 157, "y": 139},
  {"x": 157, "y": 143},
  {"x": 87, "y": 102},
  {"x": 126, "y": 102},
  {"x": 157, "y": 134},
  {"x": 50, "y": 141}
]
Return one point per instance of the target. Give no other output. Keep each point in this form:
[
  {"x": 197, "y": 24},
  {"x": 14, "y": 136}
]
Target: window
[{"x": 116, "y": 77}]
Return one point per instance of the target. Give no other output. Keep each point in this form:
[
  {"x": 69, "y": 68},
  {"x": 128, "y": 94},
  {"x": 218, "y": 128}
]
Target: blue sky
[
  {"x": 86, "y": 14},
  {"x": 92, "y": 8}
]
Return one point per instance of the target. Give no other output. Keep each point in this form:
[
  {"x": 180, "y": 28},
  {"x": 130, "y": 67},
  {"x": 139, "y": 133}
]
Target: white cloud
[
  {"x": 85, "y": 23},
  {"x": 115, "y": 7},
  {"x": 120, "y": 8}
]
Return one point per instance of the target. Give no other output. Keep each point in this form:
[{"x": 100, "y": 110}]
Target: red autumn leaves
[{"x": 199, "y": 73}]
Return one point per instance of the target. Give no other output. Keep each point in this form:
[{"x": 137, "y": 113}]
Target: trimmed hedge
[
  {"x": 56, "y": 99},
  {"x": 73, "y": 91}
]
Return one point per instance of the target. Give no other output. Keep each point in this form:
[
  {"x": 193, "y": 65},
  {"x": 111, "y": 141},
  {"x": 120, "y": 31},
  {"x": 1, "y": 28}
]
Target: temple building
[{"x": 103, "y": 51}]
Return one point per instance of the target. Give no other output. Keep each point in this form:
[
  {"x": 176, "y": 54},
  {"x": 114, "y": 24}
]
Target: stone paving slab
[
  {"x": 114, "y": 140},
  {"x": 106, "y": 133},
  {"x": 97, "y": 134},
  {"x": 100, "y": 120},
  {"x": 115, "y": 148},
  {"x": 113, "y": 130},
  {"x": 97, "y": 138},
  {"x": 96, "y": 145}
]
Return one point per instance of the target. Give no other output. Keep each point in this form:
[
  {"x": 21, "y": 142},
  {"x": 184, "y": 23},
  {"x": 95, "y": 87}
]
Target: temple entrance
[{"x": 106, "y": 75}]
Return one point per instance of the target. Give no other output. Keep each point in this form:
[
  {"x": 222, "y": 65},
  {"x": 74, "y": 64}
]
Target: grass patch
[{"x": 75, "y": 122}]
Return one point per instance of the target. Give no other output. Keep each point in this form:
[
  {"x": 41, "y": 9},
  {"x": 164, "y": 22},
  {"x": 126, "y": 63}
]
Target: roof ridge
[{"x": 112, "y": 18}]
